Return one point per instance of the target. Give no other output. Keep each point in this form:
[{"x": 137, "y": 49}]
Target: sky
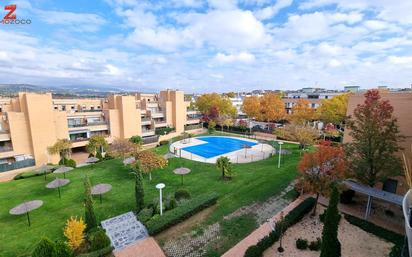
[{"x": 209, "y": 45}]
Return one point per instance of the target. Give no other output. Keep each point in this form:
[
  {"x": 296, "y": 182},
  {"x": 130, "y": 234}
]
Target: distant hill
[{"x": 67, "y": 90}]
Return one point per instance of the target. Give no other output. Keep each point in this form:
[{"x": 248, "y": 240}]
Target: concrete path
[
  {"x": 124, "y": 230},
  {"x": 240, "y": 248},
  {"x": 143, "y": 248}
]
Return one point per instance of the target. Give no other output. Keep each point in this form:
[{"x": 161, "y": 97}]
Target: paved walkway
[
  {"x": 143, "y": 248},
  {"x": 240, "y": 248},
  {"x": 124, "y": 230}
]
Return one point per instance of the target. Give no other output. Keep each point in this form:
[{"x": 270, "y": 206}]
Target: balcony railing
[
  {"x": 16, "y": 165},
  {"x": 150, "y": 140},
  {"x": 5, "y": 149},
  {"x": 95, "y": 110},
  {"x": 94, "y": 123},
  {"x": 146, "y": 119},
  {"x": 195, "y": 126},
  {"x": 79, "y": 139}
]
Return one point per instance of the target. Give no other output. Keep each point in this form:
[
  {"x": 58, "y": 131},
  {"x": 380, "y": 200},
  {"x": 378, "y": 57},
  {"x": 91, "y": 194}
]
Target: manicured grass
[{"x": 252, "y": 182}]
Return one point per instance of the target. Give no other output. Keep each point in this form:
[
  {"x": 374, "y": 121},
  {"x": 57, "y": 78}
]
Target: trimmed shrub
[
  {"x": 98, "y": 253},
  {"x": 98, "y": 240},
  {"x": 159, "y": 223},
  {"x": 289, "y": 220},
  {"x": 163, "y": 131},
  {"x": 45, "y": 248},
  {"x": 388, "y": 235},
  {"x": 182, "y": 194},
  {"x": 331, "y": 246},
  {"x": 68, "y": 162},
  {"x": 170, "y": 203},
  {"x": 164, "y": 142},
  {"x": 29, "y": 175},
  {"x": 63, "y": 249},
  {"x": 302, "y": 244},
  {"x": 315, "y": 245},
  {"x": 107, "y": 156},
  {"x": 145, "y": 214}
]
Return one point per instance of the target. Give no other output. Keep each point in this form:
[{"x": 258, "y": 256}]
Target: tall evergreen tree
[
  {"x": 138, "y": 187},
  {"x": 90, "y": 217},
  {"x": 330, "y": 244}
]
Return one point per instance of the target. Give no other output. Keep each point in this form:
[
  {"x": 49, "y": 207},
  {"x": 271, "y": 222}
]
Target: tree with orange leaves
[
  {"x": 301, "y": 112},
  {"x": 321, "y": 169},
  {"x": 251, "y": 106},
  {"x": 272, "y": 108}
]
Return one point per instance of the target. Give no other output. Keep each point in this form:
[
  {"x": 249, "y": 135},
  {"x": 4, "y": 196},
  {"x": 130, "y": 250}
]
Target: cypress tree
[
  {"x": 90, "y": 217},
  {"x": 138, "y": 188},
  {"x": 330, "y": 244}
]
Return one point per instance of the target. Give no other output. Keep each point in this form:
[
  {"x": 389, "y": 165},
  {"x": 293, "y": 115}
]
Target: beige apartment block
[{"x": 31, "y": 122}]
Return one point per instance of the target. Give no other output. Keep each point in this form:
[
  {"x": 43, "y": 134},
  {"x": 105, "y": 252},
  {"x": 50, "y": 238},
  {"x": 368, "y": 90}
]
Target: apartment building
[{"x": 31, "y": 122}]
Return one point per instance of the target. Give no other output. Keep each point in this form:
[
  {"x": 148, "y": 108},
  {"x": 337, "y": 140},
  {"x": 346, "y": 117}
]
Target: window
[
  {"x": 63, "y": 107},
  {"x": 326, "y": 96},
  {"x": 56, "y": 107}
]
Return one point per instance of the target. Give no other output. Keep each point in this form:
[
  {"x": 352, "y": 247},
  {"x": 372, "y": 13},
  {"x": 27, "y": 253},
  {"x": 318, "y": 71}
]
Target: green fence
[{"x": 16, "y": 165}]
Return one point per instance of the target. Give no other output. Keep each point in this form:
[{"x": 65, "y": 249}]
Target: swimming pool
[{"x": 215, "y": 146}]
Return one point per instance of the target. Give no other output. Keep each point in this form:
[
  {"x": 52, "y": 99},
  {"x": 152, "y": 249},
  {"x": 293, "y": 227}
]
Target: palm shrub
[
  {"x": 223, "y": 163},
  {"x": 45, "y": 248},
  {"x": 89, "y": 215},
  {"x": 330, "y": 244},
  {"x": 138, "y": 187}
]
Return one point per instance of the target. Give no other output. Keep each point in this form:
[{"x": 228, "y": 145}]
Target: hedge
[
  {"x": 159, "y": 223},
  {"x": 98, "y": 253},
  {"x": 383, "y": 233},
  {"x": 290, "y": 219}
]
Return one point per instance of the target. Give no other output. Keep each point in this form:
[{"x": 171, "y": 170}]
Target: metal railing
[
  {"x": 16, "y": 165},
  {"x": 94, "y": 123},
  {"x": 150, "y": 140},
  {"x": 194, "y": 126},
  {"x": 6, "y": 149}
]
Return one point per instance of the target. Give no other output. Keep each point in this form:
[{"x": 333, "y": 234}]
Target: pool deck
[{"x": 256, "y": 153}]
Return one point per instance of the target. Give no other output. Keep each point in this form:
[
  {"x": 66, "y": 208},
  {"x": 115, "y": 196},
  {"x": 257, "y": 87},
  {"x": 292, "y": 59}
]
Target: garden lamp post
[
  {"x": 280, "y": 152},
  {"x": 160, "y": 186}
]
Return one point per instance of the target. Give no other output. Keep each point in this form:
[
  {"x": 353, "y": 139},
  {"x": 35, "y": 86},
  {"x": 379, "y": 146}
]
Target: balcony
[
  {"x": 6, "y": 148},
  {"x": 5, "y": 135},
  {"x": 152, "y": 104},
  {"x": 147, "y": 133},
  {"x": 192, "y": 112},
  {"x": 92, "y": 126},
  {"x": 160, "y": 124},
  {"x": 146, "y": 121},
  {"x": 16, "y": 165},
  {"x": 157, "y": 115},
  {"x": 192, "y": 120}
]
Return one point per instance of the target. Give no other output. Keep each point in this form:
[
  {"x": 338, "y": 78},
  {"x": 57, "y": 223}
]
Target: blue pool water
[{"x": 216, "y": 146}]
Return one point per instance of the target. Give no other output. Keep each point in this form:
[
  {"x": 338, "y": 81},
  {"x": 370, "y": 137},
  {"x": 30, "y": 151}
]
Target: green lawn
[{"x": 252, "y": 182}]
